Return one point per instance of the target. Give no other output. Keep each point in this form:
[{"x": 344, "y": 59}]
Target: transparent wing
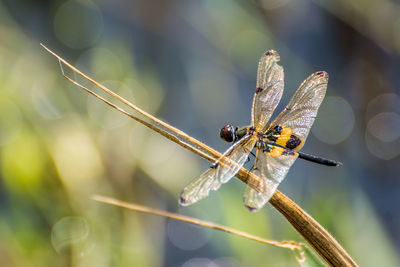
[
  {"x": 220, "y": 172},
  {"x": 269, "y": 88},
  {"x": 302, "y": 109},
  {"x": 272, "y": 167},
  {"x": 297, "y": 118}
]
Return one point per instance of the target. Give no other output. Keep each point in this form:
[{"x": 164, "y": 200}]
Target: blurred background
[{"x": 192, "y": 64}]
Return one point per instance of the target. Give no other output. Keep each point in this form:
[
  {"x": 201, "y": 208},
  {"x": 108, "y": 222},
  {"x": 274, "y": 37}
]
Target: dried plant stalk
[
  {"x": 319, "y": 238},
  {"x": 132, "y": 206}
]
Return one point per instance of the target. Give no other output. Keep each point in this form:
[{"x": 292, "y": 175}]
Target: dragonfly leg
[
  {"x": 248, "y": 159},
  {"x": 252, "y": 168},
  {"x": 255, "y": 161}
]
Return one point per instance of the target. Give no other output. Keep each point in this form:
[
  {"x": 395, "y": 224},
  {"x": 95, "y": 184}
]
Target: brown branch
[{"x": 319, "y": 238}]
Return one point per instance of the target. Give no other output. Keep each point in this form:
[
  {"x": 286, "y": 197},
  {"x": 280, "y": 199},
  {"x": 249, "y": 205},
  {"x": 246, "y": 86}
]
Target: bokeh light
[
  {"x": 72, "y": 235},
  {"x": 335, "y": 121},
  {"x": 78, "y": 24},
  {"x": 187, "y": 236},
  {"x": 199, "y": 262},
  {"x": 383, "y": 126},
  {"x": 388, "y": 102},
  {"x": 76, "y": 157},
  {"x": 226, "y": 262},
  {"x": 192, "y": 64},
  {"x": 382, "y": 150}
]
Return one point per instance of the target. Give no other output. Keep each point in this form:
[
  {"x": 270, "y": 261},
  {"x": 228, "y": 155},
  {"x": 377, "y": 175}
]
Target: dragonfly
[{"x": 277, "y": 144}]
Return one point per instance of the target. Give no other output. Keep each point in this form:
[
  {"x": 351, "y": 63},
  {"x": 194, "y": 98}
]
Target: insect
[{"x": 277, "y": 144}]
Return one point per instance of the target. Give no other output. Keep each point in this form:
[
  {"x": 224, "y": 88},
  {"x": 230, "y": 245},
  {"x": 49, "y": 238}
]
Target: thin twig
[
  {"x": 178, "y": 132},
  {"x": 132, "y": 206},
  {"x": 247, "y": 177},
  {"x": 320, "y": 239},
  {"x": 145, "y": 123}
]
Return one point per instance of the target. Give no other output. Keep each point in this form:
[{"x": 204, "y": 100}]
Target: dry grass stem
[
  {"x": 157, "y": 129},
  {"x": 320, "y": 239},
  {"x": 132, "y": 206}
]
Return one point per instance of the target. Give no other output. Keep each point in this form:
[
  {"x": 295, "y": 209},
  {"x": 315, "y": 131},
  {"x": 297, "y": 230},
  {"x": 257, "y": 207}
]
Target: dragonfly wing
[
  {"x": 272, "y": 167},
  {"x": 269, "y": 88},
  {"x": 220, "y": 172},
  {"x": 302, "y": 109},
  {"x": 199, "y": 188}
]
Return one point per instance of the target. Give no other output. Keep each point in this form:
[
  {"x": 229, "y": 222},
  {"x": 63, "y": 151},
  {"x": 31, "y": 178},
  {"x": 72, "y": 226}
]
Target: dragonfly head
[{"x": 228, "y": 133}]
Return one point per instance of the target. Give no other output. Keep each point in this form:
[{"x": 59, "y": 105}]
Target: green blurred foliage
[{"x": 60, "y": 146}]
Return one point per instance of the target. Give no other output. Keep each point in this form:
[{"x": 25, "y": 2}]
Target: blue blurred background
[{"x": 193, "y": 64}]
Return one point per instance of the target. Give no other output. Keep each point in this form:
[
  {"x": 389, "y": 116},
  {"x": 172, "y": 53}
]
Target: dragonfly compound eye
[{"x": 227, "y": 133}]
